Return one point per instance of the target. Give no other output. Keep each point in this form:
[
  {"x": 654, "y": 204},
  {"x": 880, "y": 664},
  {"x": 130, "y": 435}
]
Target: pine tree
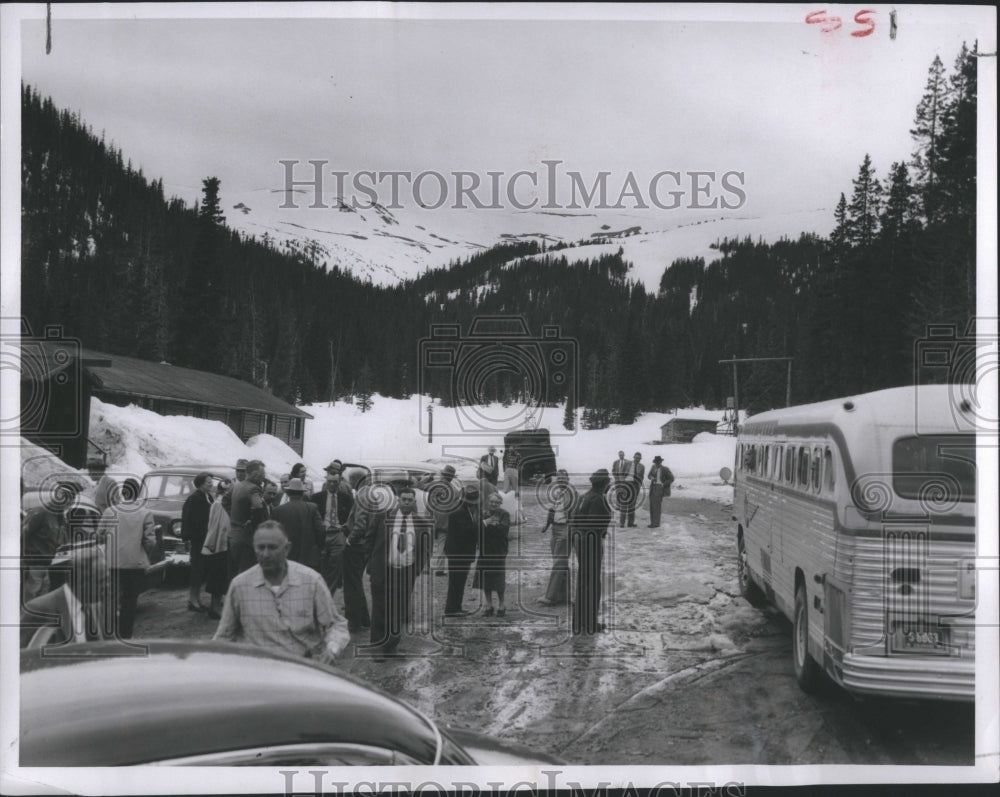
[
  {"x": 211, "y": 209},
  {"x": 926, "y": 131},
  {"x": 863, "y": 211},
  {"x": 569, "y": 414},
  {"x": 840, "y": 236},
  {"x": 363, "y": 389}
]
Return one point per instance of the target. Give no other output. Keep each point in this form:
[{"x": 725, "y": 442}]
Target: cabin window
[
  {"x": 296, "y": 428},
  {"x": 803, "y": 477},
  {"x": 828, "y": 475}
]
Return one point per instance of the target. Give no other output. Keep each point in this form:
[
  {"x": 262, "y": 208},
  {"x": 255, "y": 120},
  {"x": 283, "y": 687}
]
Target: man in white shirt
[{"x": 400, "y": 544}]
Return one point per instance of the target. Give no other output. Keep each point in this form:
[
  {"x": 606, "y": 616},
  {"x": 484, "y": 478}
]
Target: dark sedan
[{"x": 230, "y": 705}]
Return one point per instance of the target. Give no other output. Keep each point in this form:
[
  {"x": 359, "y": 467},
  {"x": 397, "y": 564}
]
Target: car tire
[
  {"x": 748, "y": 588},
  {"x": 807, "y": 671}
]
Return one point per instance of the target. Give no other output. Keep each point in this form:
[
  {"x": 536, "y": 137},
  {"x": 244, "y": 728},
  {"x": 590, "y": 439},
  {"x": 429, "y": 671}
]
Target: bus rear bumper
[{"x": 944, "y": 678}]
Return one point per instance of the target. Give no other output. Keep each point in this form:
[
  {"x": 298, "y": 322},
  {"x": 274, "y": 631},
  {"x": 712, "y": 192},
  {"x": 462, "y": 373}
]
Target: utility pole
[{"x": 734, "y": 361}]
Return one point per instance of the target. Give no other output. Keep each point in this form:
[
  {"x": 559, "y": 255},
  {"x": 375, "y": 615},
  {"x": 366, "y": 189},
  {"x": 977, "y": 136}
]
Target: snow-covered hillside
[
  {"x": 390, "y": 245},
  {"x": 137, "y": 440}
]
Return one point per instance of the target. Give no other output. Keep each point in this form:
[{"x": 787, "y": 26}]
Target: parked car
[
  {"x": 419, "y": 475},
  {"x": 395, "y": 474},
  {"x": 279, "y": 710},
  {"x": 535, "y": 455},
  {"x": 164, "y": 491}
]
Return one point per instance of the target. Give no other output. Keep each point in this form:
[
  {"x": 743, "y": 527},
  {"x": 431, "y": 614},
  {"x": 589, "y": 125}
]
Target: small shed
[{"x": 683, "y": 430}]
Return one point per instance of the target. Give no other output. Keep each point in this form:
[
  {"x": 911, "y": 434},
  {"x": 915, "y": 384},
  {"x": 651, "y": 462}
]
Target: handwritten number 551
[{"x": 828, "y": 23}]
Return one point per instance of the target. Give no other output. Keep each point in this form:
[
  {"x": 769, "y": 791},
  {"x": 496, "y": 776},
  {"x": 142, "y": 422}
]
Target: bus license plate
[{"x": 920, "y": 639}]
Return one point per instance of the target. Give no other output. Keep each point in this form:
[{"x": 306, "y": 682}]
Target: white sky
[{"x": 794, "y": 108}]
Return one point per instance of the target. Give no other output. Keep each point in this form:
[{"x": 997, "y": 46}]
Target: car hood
[{"x": 488, "y": 751}]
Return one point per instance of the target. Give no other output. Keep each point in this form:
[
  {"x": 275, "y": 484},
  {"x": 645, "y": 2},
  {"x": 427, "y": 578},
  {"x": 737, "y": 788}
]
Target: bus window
[
  {"x": 817, "y": 461},
  {"x": 765, "y": 466},
  {"x": 803, "y": 477},
  {"x": 828, "y": 480},
  {"x": 751, "y": 459},
  {"x": 778, "y": 452},
  {"x": 946, "y": 463},
  {"x": 790, "y": 465}
]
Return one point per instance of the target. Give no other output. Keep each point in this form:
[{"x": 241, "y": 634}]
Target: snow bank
[
  {"x": 37, "y": 464},
  {"x": 138, "y": 440}
]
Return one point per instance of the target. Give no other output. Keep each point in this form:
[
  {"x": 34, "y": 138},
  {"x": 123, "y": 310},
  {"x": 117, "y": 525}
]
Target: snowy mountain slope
[{"x": 387, "y": 246}]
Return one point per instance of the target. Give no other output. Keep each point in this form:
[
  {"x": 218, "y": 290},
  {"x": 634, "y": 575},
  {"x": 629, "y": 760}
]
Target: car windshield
[{"x": 935, "y": 467}]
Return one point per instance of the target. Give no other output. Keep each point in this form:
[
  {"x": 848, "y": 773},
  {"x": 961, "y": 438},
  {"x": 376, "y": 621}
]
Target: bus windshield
[{"x": 935, "y": 467}]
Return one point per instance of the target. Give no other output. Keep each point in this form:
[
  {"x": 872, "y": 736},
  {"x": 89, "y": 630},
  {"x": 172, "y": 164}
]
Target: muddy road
[{"x": 688, "y": 673}]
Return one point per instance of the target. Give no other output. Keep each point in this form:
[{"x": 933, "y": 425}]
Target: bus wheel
[
  {"x": 748, "y": 589},
  {"x": 806, "y": 670}
]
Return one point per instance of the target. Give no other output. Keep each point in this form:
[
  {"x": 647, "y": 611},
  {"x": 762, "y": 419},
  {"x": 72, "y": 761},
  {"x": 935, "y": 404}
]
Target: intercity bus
[{"x": 857, "y": 518}]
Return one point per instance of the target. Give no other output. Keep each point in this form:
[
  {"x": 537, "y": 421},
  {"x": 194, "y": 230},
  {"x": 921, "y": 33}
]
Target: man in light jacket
[{"x": 130, "y": 536}]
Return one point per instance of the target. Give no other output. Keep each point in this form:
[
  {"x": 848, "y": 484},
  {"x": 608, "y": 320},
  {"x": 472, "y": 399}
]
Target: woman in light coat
[{"x": 215, "y": 550}]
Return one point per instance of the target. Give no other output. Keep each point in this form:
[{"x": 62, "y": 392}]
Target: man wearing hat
[
  {"x": 241, "y": 476},
  {"x": 660, "y": 479},
  {"x": 303, "y": 525},
  {"x": 589, "y": 526},
  {"x": 334, "y": 503},
  {"x": 464, "y": 529}
]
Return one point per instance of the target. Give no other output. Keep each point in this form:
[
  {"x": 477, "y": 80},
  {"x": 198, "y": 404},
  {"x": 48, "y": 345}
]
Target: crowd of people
[{"x": 271, "y": 559}]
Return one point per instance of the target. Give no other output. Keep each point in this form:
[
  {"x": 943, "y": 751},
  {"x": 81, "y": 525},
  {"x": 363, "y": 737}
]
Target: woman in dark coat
[
  {"x": 589, "y": 527},
  {"x": 492, "y": 566},
  {"x": 194, "y": 529}
]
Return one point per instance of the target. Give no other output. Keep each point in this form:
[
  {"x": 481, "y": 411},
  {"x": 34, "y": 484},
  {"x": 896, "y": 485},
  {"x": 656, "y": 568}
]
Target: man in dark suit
[
  {"x": 399, "y": 546},
  {"x": 489, "y": 466},
  {"x": 72, "y": 612},
  {"x": 194, "y": 529},
  {"x": 334, "y": 503},
  {"x": 369, "y": 504},
  {"x": 302, "y": 524},
  {"x": 588, "y": 528},
  {"x": 633, "y": 475},
  {"x": 464, "y": 531}
]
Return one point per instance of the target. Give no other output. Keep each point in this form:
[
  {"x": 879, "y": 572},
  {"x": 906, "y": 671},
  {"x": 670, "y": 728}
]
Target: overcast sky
[{"x": 794, "y": 108}]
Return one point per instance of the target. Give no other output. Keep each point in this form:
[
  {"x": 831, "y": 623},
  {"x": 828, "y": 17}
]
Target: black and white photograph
[{"x": 498, "y": 398}]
